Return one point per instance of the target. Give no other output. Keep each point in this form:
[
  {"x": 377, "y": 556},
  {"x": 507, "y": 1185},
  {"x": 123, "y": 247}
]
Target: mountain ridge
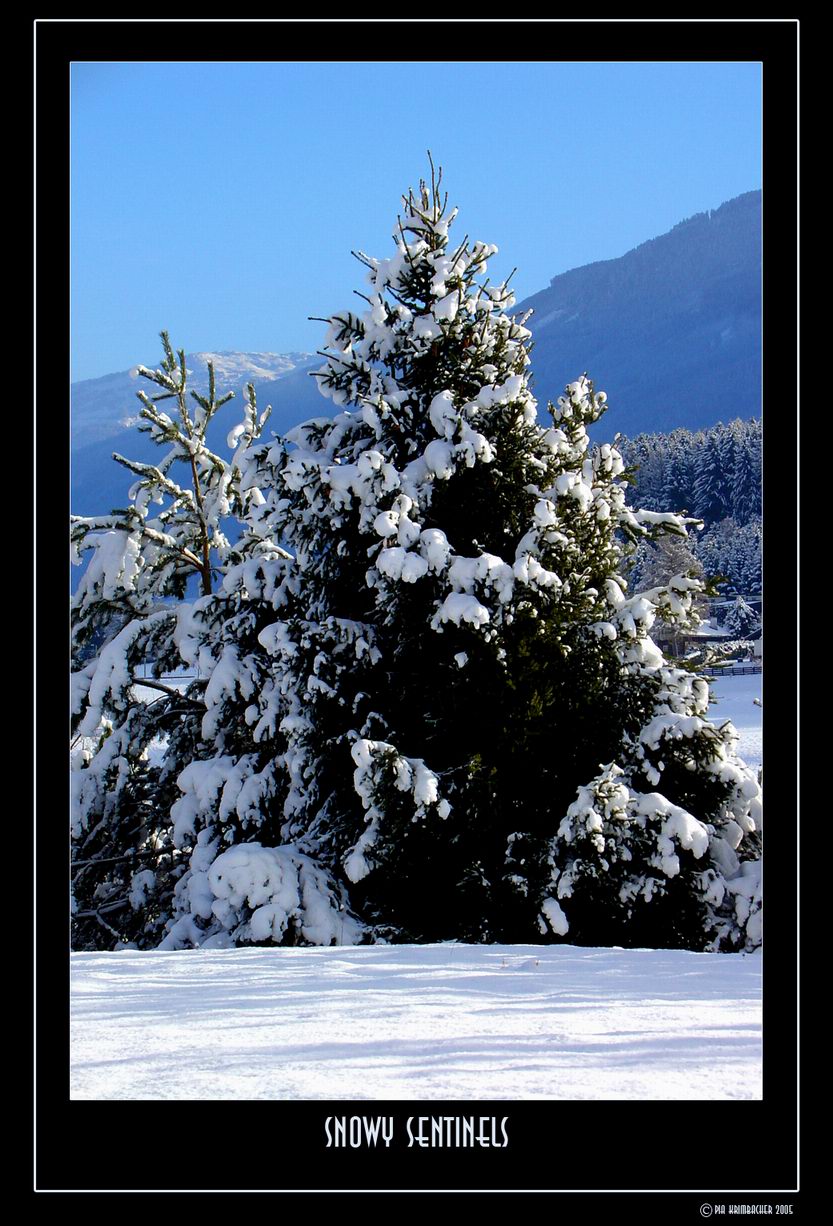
[
  {"x": 750, "y": 197},
  {"x": 670, "y": 329}
]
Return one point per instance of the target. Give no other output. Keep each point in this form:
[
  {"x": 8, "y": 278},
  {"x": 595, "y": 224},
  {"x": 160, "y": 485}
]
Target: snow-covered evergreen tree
[
  {"x": 712, "y": 497},
  {"x": 464, "y": 659},
  {"x": 443, "y": 716},
  {"x": 677, "y": 490},
  {"x": 734, "y": 553},
  {"x": 133, "y": 733},
  {"x": 742, "y": 621},
  {"x": 746, "y": 476}
]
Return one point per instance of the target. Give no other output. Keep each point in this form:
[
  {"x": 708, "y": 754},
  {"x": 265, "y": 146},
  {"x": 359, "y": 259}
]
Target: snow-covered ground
[
  {"x": 425, "y": 1022},
  {"x": 736, "y": 701},
  {"x": 416, "y": 1022}
]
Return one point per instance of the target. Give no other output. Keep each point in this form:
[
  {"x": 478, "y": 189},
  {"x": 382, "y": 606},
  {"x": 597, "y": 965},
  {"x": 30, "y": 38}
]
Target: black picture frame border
[{"x": 621, "y": 1152}]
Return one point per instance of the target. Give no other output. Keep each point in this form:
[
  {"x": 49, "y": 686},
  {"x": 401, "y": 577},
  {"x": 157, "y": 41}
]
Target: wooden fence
[{"x": 732, "y": 670}]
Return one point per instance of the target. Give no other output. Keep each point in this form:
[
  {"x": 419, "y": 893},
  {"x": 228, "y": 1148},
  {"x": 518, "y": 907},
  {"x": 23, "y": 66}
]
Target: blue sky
[{"x": 221, "y": 200}]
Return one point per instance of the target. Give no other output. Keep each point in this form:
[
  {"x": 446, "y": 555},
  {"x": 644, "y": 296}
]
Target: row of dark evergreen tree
[
  {"x": 733, "y": 551},
  {"x": 713, "y": 474},
  {"x": 716, "y": 475}
]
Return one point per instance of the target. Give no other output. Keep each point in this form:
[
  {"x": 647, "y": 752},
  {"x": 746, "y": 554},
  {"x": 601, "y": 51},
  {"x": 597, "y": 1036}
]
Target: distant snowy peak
[
  {"x": 232, "y": 367},
  {"x": 233, "y": 370},
  {"x": 101, "y": 408}
]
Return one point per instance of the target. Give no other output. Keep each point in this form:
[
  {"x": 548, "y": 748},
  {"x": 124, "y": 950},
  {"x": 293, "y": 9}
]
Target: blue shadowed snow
[{"x": 416, "y": 1022}]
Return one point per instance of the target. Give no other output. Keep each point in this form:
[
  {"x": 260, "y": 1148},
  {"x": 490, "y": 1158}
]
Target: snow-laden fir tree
[
  {"x": 712, "y": 493},
  {"x": 168, "y": 775},
  {"x": 482, "y": 741},
  {"x": 123, "y": 616},
  {"x": 443, "y": 715},
  {"x": 677, "y": 490},
  {"x": 741, "y": 620},
  {"x": 732, "y": 553},
  {"x": 131, "y": 742},
  {"x": 746, "y": 476}
]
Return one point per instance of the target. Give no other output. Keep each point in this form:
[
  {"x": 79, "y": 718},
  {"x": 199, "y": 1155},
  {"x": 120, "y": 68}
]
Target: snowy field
[
  {"x": 416, "y": 1022},
  {"x": 425, "y": 1022},
  {"x": 736, "y": 701}
]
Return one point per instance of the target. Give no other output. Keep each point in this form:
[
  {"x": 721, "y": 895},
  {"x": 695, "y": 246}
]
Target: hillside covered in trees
[{"x": 714, "y": 475}]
